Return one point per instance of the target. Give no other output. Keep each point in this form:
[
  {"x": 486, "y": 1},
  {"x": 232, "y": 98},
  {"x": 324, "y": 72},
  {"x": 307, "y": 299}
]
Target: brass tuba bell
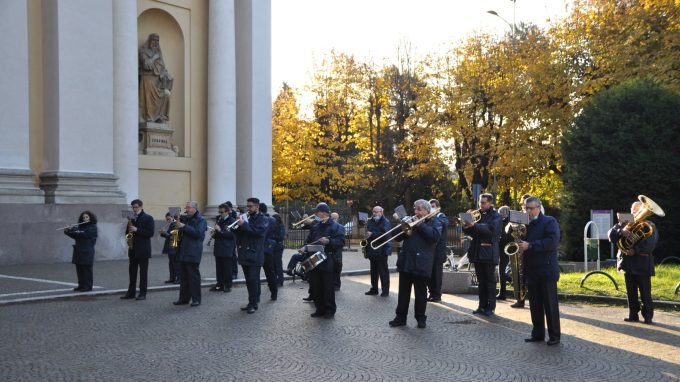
[{"x": 639, "y": 228}]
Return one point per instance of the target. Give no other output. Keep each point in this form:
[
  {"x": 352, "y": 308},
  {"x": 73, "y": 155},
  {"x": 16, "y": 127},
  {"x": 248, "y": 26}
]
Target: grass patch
[{"x": 663, "y": 284}]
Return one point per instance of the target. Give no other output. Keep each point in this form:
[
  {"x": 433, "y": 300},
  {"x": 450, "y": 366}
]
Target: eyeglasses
[{"x": 529, "y": 208}]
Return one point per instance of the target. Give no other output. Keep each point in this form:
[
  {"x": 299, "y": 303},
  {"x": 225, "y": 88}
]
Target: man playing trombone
[
  {"x": 376, "y": 226},
  {"x": 484, "y": 252},
  {"x": 414, "y": 262}
]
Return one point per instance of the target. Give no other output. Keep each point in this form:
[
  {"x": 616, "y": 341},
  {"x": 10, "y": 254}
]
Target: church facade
[{"x": 95, "y": 112}]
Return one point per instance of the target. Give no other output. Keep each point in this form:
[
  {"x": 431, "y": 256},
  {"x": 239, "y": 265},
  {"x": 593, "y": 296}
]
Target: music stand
[{"x": 519, "y": 217}]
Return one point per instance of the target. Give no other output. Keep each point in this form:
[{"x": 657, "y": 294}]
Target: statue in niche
[{"x": 155, "y": 83}]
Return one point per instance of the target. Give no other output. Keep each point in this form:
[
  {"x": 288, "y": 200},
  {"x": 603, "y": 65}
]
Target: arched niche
[{"x": 172, "y": 45}]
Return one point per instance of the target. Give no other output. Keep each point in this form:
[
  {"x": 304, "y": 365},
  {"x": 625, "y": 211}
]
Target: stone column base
[
  {"x": 80, "y": 188},
  {"x": 16, "y": 186}
]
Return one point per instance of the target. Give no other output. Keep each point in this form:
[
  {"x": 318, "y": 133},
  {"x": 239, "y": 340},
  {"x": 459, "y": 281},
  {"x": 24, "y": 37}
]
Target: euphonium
[{"x": 639, "y": 228}]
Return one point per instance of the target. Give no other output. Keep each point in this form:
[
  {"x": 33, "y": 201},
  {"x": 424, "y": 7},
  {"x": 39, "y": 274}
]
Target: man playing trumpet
[
  {"x": 377, "y": 226},
  {"x": 415, "y": 260}
]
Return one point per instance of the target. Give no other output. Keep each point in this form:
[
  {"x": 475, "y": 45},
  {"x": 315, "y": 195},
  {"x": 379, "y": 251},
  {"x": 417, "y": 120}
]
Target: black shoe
[
  {"x": 77, "y": 289},
  {"x": 478, "y": 311},
  {"x": 632, "y": 319},
  {"x": 195, "y": 303},
  {"x": 488, "y": 312},
  {"x": 518, "y": 304},
  {"x": 553, "y": 342},
  {"x": 649, "y": 321},
  {"x": 251, "y": 310},
  {"x": 435, "y": 299},
  {"x": 501, "y": 296},
  {"x": 533, "y": 339},
  {"x": 226, "y": 290},
  {"x": 317, "y": 314},
  {"x": 216, "y": 288},
  {"x": 329, "y": 315},
  {"x": 397, "y": 322},
  {"x": 169, "y": 281},
  {"x": 180, "y": 302},
  {"x": 385, "y": 294},
  {"x": 308, "y": 299},
  {"x": 177, "y": 282},
  {"x": 127, "y": 297},
  {"x": 141, "y": 297},
  {"x": 421, "y": 324},
  {"x": 289, "y": 272},
  {"x": 85, "y": 290},
  {"x": 275, "y": 295},
  {"x": 371, "y": 292},
  {"x": 244, "y": 308}
]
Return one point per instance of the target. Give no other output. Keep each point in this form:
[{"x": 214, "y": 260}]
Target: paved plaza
[{"x": 102, "y": 338}]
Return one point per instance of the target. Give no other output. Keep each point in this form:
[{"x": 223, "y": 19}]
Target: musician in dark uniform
[
  {"x": 192, "y": 233},
  {"x": 377, "y": 225},
  {"x": 224, "y": 250},
  {"x": 142, "y": 230},
  {"x": 85, "y": 235},
  {"x": 414, "y": 264},
  {"x": 331, "y": 235},
  {"x": 250, "y": 243},
  {"x": 484, "y": 252},
  {"x": 338, "y": 256},
  {"x": 638, "y": 267},
  {"x": 173, "y": 263},
  {"x": 269, "y": 247},
  {"x": 435, "y": 283},
  {"x": 279, "y": 237},
  {"x": 504, "y": 259},
  {"x": 234, "y": 264},
  {"x": 541, "y": 271}
]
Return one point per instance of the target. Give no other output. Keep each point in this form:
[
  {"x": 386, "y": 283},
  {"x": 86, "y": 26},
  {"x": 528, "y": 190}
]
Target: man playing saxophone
[
  {"x": 140, "y": 252},
  {"x": 637, "y": 263}
]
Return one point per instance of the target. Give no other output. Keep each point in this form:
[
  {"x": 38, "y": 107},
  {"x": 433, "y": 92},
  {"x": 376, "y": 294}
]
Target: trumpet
[
  {"x": 406, "y": 227},
  {"x": 476, "y": 215},
  {"x": 301, "y": 223}
]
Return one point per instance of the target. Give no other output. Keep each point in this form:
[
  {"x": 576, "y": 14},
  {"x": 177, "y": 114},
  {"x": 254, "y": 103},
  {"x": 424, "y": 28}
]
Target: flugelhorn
[{"x": 301, "y": 223}]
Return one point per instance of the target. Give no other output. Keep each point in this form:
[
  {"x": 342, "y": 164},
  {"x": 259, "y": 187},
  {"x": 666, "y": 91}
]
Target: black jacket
[
  {"x": 191, "y": 239},
  {"x": 225, "y": 240},
  {"x": 270, "y": 235},
  {"x": 642, "y": 262},
  {"x": 250, "y": 240},
  {"x": 540, "y": 260},
  {"x": 167, "y": 248},
  {"x": 141, "y": 244},
  {"x": 485, "y": 236},
  {"x": 83, "y": 250},
  {"x": 441, "y": 250},
  {"x": 418, "y": 249},
  {"x": 336, "y": 236},
  {"x": 377, "y": 228}
]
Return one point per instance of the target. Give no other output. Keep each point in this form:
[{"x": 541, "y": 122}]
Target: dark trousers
[
  {"x": 223, "y": 273},
  {"x": 143, "y": 265},
  {"x": 419, "y": 284},
  {"x": 278, "y": 267},
  {"x": 502, "y": 276},
  {"x": 435, "y": 282},
  {"x": 379, "y": 270},
  {"x": 643, "y": 283},
  {"x": 234, "y": 268},
  {"x": 322, "y": 288},
  {"x": 84, "y": 273},
  {"x": 543, "y": 301},
  {"x": 296, "y": 258},
  {"x": 252, "y": 276},
  {"x": 174, "y": 267},
  {"x": 337, "y": 270},
  {"x": 190, "y": 282},
  {"x": 486, "y": 280},
  {"x": 270, "y": 273}
]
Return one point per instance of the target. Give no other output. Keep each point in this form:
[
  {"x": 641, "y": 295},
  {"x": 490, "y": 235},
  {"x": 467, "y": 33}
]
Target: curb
[{"x": 160, "y": 288}]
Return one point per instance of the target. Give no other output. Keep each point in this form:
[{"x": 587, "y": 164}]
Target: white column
[
  {"x": 125, "y": 97},
  {"x": 221, "y": 104},
  {"x": 16, "y": 178},
  {"x": 78, "y": 102},
  {"x": 253, "y": 87}
]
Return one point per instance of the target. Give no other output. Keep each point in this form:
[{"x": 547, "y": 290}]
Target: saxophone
[
  {"x": 129, "y": 236},
  {"x": 174, "y": 235}
]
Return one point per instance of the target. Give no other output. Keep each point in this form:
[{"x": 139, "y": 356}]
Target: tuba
[{"x": 639, "y": 228}]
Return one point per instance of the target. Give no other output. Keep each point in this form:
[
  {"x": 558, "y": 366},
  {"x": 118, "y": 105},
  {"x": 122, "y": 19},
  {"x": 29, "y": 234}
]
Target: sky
[{"x": 305, "y": 31}]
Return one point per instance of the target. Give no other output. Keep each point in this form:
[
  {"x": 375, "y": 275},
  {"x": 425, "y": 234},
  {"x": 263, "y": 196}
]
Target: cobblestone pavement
[{"x": 102, "y": 338}]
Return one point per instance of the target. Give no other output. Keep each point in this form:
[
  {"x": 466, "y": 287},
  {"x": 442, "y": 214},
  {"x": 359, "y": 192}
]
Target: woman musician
[{"x": 85, "y": 235}]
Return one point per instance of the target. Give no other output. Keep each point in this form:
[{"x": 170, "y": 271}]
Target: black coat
[
  {"x": 250, "y": 240},
  {"x": 377, "y": 228},
  {"x": 441, "y": 250},
  {"x": 141, "y": 244},
  {"x": 336, "y": 240},
  {"x": 485, "y": 236},
  {"x": 540, "y": 260},
  {"x": 191, "y": 239},
  {"x": 642, "y": 262},
  {"x": 270, "y": 235},
  {"x": 225, "y": 240},
  {"x": 418, "y": 249},
  {"x": 167, "y": 248},
  {"x": 83, "y": 250}
]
